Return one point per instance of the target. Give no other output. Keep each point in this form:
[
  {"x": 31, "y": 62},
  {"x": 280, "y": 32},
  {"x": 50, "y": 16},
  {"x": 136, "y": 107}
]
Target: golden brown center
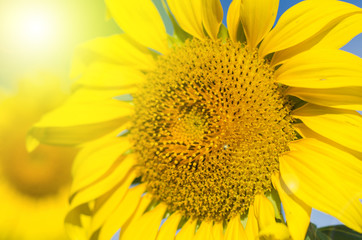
[{"x": 209, "y": 127}]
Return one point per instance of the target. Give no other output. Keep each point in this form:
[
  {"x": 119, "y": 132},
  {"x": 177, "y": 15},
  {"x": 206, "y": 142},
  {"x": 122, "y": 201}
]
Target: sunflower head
[{"x": 209, "y": 127}]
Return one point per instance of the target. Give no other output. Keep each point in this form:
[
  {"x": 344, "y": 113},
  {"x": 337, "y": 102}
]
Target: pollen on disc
[{"x": 209, "y": 126}]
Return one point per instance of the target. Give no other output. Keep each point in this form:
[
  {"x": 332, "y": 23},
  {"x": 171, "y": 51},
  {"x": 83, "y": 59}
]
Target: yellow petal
[
  {"x": 169, "y": 227},
  {"x": 350, "y": 164},
  {"x": 106, "y": 205},
  {"x": 117, "y": 49},
  {"x": 302, "y": 21},
  {"x": 88, "y": 95},
  {"x": 188, "y": 14},
  {"x": 75, "y": 231},
  {"x": 321, "y": 68},
  {"x": 212, "y": 14},
  {"x": 258, "y": 17},
  {"x": 110, "y": 75},
  {"x": 233, "y": 20},
  {"x": 264, "y": 211},
  {"x": 77, "y": 222},
  {"x": 146, "y": 200},
  {"x": 325, "y": 178},
  {"x": 122, "y": 213},
  {"x": 218, "y": 231},
  {"x": 145, "y": 227},
  {"x": 87, "y": 114},
  {"x": 204, "y": 232},
  {"x": 75, "y": 135},
  {"x": 341, "y": 126},
  {"x": 275, "y": 231},
  {"x": 333, "y": 36},
  {"x": 345, "y": 98},
  {"x": 187, "y": 231},
  {"x": 121, "y": 176},
  {"x": 306, "y": 132},
  {"x": 296, "y": 211},
  {"x": 75, "y": 114},
  {"x": 140, "y": 20},
  {"x": 234, "y": 229},
  {"x": 95, "y": 159},
  {"x": 72, "y": 131},
  {"x": 251, "y": 228}
]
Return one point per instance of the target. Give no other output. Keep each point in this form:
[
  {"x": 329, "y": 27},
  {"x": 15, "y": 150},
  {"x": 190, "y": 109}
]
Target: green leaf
[
  {"x": 223, "y": 32},
  {"x": 340, "y": 232},
  {"x": 241, "y": 34},
  {"x": 273, "y": 197},
  {"x": 314, "y": 234}
]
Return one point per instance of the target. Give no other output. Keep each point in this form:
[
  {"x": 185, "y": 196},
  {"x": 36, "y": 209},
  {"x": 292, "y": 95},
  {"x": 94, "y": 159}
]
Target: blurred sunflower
[
  {"x": 213, "y": 127},
  {"x": 33, "y": 185}
]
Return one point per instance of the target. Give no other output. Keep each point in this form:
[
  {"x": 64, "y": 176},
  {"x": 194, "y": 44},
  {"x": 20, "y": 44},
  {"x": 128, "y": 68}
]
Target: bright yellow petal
[
  {"x": 234, "y": 229},
  {"x": 204, "y": 232},
  {"x": 145, "y": 227},
  {"x": 188, "y": 14},
  {"x": 76, "y": 222},
  {"x": 341, "y": 126},
  {"x": 302, "y": 21},
  {"x": 251, "y": 228},
  {"x": 169, "y": 227},
  {"x": 110, "y": 75},
  {"x": 106, "y": 205},
  {"x": 297, "y": 212},
  {"x": 233, "y": 19},
  {"x": 345, "y": 98},
  {"x": 187, "y": 231},
  {"x": 321, "y": 68},
  {"x": 87, "y": 115},
  {"x": 258, "y": 17},
  {"x": 73, "y": 131},
  {"x": 275, "y": 231},
  {"x": 306, "y": 132},
  {"x": 121, "y": 176},
  {"x": 118, "y": 49},
  {"x": 141, "y": 208},
  {"x": 333, "y": 36},
  {"x": 88, "y": 95},
  {"x": 95, "y": 159},
  {"x": 212, "y": 14},
  {"x": 122, "y": 213},
  {"x": 218, "y": 231},
  {"x": 264, "y": 211},
  {"x": 81, "y": 113},
  {"x": 140, "y": 20},
  {"x": 325, "y": 178}
]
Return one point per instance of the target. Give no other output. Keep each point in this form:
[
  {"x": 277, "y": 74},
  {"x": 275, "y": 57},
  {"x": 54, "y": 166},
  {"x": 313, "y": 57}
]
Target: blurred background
[{"x": 40, "y": 35}]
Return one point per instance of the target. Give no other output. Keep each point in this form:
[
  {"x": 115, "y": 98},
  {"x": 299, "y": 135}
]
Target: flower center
[{"x": 209, "y": 127}]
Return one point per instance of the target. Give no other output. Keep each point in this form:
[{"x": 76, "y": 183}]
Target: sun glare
[
  {"x": 36, "y": 29},
  {"x": 31, "y": 28}
]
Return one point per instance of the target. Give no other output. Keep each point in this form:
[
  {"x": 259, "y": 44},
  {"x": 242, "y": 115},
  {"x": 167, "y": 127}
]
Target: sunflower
[
  {"x": 33, "y": 185},
  {"x": 210, "y": 130}
]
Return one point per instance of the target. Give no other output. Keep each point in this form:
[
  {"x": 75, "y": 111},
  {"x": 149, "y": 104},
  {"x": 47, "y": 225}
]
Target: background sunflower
[{"x": 33, "y": 185}]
